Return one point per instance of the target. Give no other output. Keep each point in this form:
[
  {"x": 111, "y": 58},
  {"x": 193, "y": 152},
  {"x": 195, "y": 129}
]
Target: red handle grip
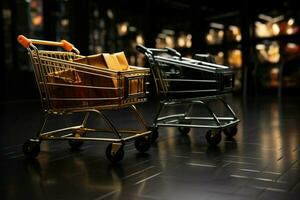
[
  {"x": 66, "y": 45},
  {"x": 24, "y": 41}
]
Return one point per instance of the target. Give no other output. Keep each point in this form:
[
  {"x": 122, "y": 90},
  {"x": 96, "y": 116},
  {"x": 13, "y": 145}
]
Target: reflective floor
[{"x": 261, "y": 162}]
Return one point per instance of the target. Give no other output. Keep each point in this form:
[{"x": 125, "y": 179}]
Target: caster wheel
[
  {"x": 154, "y": 133},
  {"x": 213, "y": 137},
  {"x": 230, "y": 131},
  {"x": 76, "y": 144},
  {"x": 142, "y": 144},
  {"x": 184, "y": 130},
  {"x": 115, "y": 152},
  {"x": 31, "y": 148}
]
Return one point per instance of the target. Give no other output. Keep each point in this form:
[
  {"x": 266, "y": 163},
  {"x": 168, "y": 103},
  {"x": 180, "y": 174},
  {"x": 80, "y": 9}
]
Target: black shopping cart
[{"x": 184, "y": 81}]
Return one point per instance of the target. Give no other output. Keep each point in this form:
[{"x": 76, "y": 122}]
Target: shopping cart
[
  {"x": 183, "y": 81},
  {"x": 68, "y": 86}
]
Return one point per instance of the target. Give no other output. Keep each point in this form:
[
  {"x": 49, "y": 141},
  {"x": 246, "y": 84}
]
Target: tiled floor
[{"x": 262, "y": 162}]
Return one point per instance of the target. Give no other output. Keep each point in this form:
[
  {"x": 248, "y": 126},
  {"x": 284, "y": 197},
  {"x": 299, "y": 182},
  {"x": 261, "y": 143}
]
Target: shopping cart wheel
[
  {"x": 31, "y": 148},
  {"x": 213, "y": 136},
  {"x": 115, "y": 152},
  {"x": 142, "y": 144},
  {"x": 230, "y": 131},
  {"x": 184, "y": 130},
  {"x": 154, "y": 133},
  {"x": 76, "y": 144}
]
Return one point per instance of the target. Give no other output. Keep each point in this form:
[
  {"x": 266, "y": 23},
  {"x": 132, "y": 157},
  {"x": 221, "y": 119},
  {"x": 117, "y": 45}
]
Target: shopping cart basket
[
  {"x": 68, "y": 86},
  {"x": 184, "y": 81}
]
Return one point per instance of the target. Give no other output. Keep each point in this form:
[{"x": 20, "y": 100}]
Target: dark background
[{"x": 88, "y": 24}]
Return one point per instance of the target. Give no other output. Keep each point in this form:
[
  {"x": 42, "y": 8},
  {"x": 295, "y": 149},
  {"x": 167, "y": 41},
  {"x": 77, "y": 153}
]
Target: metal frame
[
  {"x": 176, "y": 119},
  {"x": 119, "y": 138}
]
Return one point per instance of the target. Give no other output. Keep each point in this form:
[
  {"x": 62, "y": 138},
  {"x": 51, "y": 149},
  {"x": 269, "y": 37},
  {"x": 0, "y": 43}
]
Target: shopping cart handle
[
  {"x": 142, "y": 49},
  {"x": 25, "y": 42},
  {"x": 205, "y": 58},
  {"x": 173, "y": 52}
]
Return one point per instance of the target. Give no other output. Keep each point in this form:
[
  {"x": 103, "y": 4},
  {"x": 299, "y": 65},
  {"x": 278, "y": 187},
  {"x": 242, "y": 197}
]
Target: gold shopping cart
[{"x": 70, "y": 83}]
